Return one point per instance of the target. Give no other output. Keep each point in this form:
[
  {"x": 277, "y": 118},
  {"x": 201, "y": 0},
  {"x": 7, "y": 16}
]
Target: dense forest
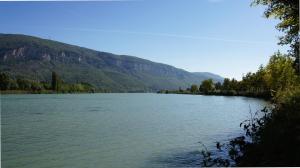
[
  {"x": 269, "y": 81},
  {"x": 57, "y": 85}
]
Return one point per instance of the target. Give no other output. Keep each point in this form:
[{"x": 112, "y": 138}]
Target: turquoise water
[{"x": 116, "y": 130}]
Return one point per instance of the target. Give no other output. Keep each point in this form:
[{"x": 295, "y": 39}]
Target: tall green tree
[
  {"x": 218, "y": 86},
  {"x": 287, "y": 11},
  {"x": 54, "y": 82},
  {"x": 207, "y": 86},
  {"x": 194, "y": 88},
  {"x": 226, "y": 84},
  {"x": 280, "y": 74}
]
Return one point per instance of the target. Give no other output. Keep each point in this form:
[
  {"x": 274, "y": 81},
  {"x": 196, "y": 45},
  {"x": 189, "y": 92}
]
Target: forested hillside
[{"x": 33, "y": 58}]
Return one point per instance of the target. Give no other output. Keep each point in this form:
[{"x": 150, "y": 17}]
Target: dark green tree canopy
[
  {"x": 207, "y": 85},
  {"x": 194, "y": 88},
  {"x": 54, "y": 81}
]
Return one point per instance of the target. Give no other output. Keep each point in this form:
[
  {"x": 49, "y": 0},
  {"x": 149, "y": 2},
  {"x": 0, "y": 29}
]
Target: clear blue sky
[{"x": 227, "y": 37}]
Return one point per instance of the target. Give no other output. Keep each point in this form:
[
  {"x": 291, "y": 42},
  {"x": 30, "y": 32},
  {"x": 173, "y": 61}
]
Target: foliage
[
  {"x": 276, "y": 136},
  {"x": 57, "y": 85},
  {"x": 287, "y": 11},
  {"x": 54, "y": 82},
  {"x": 24, "y": 84},
  {"x": 279, "y": 73},
  {"x": 276, "y": 77},
  {"x": 4, "y": 81},
  {"x": 272, "y": 137},
  {"x": 218, "y": 86},
  {"x": 210, "y": 161},
  {"x": 207, "y": 86},
  {"x": 194, "y": 88}
]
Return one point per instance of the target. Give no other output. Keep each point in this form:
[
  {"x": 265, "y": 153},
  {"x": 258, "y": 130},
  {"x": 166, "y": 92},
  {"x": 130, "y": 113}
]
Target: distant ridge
[
  {"x": 35, "y": 58},
  {"x": 215, "y": 77}
]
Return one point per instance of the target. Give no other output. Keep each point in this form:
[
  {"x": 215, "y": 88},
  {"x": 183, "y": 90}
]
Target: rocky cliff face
[
  {"x": 17, "y": 53},
  {"x": 36, "y": 58}
]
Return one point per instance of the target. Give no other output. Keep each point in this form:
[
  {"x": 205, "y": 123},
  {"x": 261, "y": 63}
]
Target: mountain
[
  {"x": 35, "y": 58},
  {"x": 209, "y": 75}
]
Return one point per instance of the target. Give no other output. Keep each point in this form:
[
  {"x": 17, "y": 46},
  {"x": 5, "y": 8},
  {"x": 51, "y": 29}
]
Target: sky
[{"x": 226, "y": 37}]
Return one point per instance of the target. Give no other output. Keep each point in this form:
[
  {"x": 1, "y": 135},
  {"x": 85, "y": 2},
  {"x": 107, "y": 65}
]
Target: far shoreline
[
  {"x": 50, "y": 92},
  {"x": 8, "y": 92},
  {"x": 219, "y": 94}
]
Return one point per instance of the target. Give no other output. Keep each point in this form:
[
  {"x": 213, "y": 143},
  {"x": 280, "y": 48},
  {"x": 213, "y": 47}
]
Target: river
[{"x": 116, "y": 130}]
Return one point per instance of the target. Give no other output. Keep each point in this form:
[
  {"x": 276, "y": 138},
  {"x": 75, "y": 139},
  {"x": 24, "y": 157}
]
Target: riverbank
[
  {"x": 25, "y": 92},
  {"x": 261, "y": 95},
  {"x": 62, "y": 92},
  {"x": 42, "y": 92}
]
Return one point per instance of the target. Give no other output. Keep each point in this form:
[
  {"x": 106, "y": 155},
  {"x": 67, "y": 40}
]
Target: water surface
[{"x": 116, "y": 130}]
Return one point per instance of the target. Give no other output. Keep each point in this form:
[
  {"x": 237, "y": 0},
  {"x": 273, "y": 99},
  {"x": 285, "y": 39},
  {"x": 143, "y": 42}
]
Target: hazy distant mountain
[
  {"x": 215, "y": 77},
  {"x": 35, "y": 58}
]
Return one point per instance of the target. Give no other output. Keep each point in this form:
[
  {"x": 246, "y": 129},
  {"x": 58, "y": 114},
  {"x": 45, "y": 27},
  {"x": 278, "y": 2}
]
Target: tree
[
  {"x": 24, "y": 84},
  {"x": 36, "y": 86},
  {"x": 234, "y": 84},
  {"x": 194, "y": 88},
  {"x": 226, "y": 84},
  {"x": 218, "y": 86},
  {"x": 207, "y": 86},
  {"x": 287, "y": 11},
  {"x": 280, "y": 74},
  {"x": 13, "y": 85},
  {"x": 55, "y": 81},
  {"x": 4, "y": 81}
]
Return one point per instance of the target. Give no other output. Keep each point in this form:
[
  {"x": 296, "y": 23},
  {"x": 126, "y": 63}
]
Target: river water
[{"x": 116, "y": 130}]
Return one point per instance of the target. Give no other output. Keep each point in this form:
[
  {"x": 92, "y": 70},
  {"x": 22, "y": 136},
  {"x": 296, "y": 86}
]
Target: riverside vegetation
[
  {"x": 272, "y": 135},
  {"x": 279, "y": 74},
  {"x": 57, "y": 85}
]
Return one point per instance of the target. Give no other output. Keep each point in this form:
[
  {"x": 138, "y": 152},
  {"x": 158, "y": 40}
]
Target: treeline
[
  {"x": 57, "y": 85},
  {"x": 272, "y": 137},
  {"x": 272, "y": 134},
  {"x": 277, "y": 75}
]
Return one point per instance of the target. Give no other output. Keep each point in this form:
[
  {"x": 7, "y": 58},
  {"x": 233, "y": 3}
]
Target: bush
[
  {"x": 35, "y": 86},
  {"x": 24, "y": 84},
  {"x": 271, "y": 139},
  {"x": 4, "y": 81},
  {"x": 13, "y": 85}
]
